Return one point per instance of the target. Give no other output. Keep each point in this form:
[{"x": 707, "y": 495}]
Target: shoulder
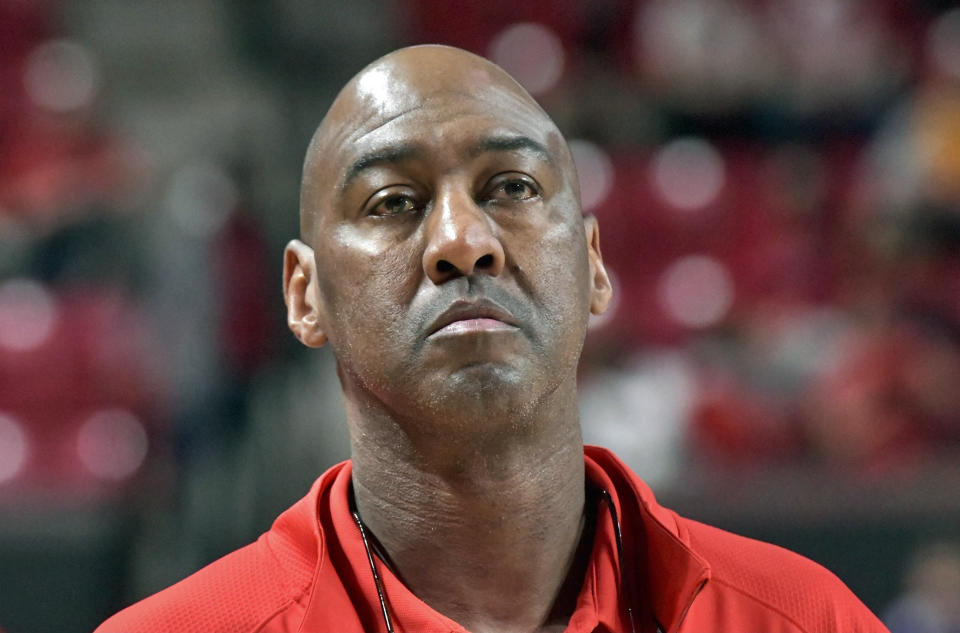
[
  {"x": 770, "y": 583},
  {"x": 263, "y": 586},
  {"x": 242, "y": 591},
  {"x": 714, "y": 580}
]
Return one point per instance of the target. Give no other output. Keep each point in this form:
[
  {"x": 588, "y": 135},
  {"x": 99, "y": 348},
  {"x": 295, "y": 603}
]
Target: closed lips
[{"x": 465, "y": 311}]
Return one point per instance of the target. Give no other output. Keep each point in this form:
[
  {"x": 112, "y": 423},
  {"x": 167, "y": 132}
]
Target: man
[{"x": 446, "y": 261}]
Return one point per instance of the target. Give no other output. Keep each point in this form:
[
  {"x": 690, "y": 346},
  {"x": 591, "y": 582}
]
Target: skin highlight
[{"x": 436, "y": 188}]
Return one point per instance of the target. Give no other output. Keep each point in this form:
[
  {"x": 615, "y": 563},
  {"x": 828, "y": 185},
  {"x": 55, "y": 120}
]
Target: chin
[
  {"x": 486, "y": 393},
  {"x": 484, "y": 381}
]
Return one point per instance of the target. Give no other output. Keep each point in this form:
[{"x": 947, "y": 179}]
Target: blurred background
[{"x": 778, "y": 189}]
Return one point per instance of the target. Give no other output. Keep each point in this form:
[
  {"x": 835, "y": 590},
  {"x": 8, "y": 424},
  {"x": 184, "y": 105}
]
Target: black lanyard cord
[
  {"x": 373, "y": 570},
  {"x": 618, "y": 537}
]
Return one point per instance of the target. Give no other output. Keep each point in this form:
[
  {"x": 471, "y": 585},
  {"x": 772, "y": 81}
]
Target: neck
[{"x": 486, "y": 535}]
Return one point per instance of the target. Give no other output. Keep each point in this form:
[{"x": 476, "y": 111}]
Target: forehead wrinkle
[
  {"x": 329, "y": 134},
  {"x": 359, "y": 132},
  {"x": 518, "y": 125},
  {"x": 437, "y": 111}
]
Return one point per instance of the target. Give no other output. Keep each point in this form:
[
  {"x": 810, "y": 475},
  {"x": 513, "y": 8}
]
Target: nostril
[
  {"x": 443, "y": 266},
  {"x": 485, "y": 262}
]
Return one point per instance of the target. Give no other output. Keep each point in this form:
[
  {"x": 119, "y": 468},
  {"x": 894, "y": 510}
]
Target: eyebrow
[
  {"x": 512, "y": 144},
  {"x": 406, "y": 151},
  {"x": 391, "y": 154}
]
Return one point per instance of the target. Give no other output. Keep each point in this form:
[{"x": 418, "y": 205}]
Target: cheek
[
  {"x": 556, "y": 267},
  {"x": 373, "y": 265},
  {"x": 347, "y": 239},
  {"x": 561, "y": 256},
  {"x": 366, "y": 291}
]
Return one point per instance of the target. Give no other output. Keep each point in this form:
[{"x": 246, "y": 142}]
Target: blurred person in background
[
  {"x": 929, "y": 603},
  {"x": 446, "y": 260}
]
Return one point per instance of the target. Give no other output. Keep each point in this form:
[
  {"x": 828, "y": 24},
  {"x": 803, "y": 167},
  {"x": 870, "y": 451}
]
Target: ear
[
  {"x": 600, "y": 289},
  {"x": 300, "y": 293}
]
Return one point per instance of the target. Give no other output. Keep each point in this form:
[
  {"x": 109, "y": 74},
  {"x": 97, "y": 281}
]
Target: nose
[{"x": 460, "y": 241}]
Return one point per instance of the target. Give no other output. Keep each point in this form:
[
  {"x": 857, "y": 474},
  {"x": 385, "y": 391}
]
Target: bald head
[{"x": 399, "y": 83}]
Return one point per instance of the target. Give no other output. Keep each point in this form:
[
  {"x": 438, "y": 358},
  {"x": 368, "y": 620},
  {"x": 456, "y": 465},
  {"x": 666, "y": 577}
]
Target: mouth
[{"x": 467, "y": 317}]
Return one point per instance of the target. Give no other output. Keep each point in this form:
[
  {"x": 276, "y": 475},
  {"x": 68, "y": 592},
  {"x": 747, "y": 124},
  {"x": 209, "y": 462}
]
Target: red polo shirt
[{"x": 310, "y": 573}]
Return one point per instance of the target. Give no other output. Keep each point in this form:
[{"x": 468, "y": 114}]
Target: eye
[
  {"x": 513, "y": 188},
  {"x": 392, "y": 202}
]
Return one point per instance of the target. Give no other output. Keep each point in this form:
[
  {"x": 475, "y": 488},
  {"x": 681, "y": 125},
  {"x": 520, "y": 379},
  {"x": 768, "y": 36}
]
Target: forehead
[
  {"x": 447, "y": 101},
  {"x": 432, "y": 108},
  {"x": 404, "y": 81}
]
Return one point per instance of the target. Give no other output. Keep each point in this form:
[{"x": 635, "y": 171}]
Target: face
[{"x": 451, "y": 268}]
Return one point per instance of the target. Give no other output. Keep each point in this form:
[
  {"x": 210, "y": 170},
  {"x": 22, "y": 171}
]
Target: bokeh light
[
  {"x": 200, "y": 198},
  {"x": 530, "y": 52},
  {"x": 696, "y": 291},
  {"x": 28, "y": 314},
  {"x": 688, "y": 173},
  {"x": 61, "y": 76},
  {"x": 595, "y": 172},
  {"x": 14, "y": 448},
  {"x": 943, "y": 43},
  {"x": 112, "y": 444}
]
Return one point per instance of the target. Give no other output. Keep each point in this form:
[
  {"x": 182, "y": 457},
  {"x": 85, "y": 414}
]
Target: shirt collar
[
  {"x": 665, "y": 573},
  {"x": 661, "y": 574}
]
